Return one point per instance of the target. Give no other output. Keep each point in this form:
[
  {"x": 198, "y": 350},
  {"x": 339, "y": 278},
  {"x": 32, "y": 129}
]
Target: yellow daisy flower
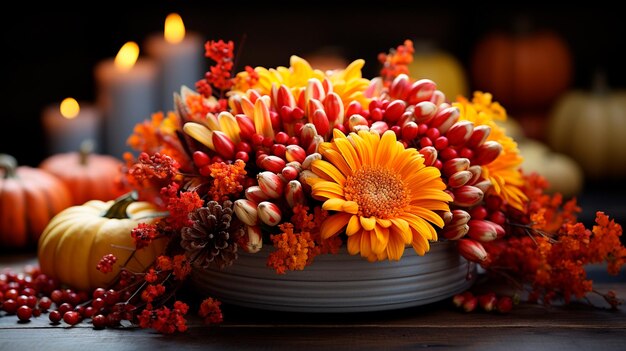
[
  {"x": 382, "y": 193},
  {"x": 504, "y": 172}
]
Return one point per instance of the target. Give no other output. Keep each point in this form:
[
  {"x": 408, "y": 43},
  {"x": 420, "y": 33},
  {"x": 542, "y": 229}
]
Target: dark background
[{"x": 50, "y": 54}]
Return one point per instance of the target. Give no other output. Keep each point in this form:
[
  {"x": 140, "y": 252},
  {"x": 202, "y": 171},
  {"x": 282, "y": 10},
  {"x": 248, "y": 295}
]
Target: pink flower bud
[
  {"x": 271, "y": 184},
  {"x": 246, "y": 211},
  {"x": 255, "y": 239},
  {"x": 255, "y": 194},
  {"x": 467, "y": 196},
  {"x": 269, "y": 213},
  {"x": 421, "y": 90},
  {"x": 479, "y": 135},
  {"x": 482, "y": 230},
  {"x": 424, "y": 112},
  {"x": 460, "y": 132},
  {"x": 334, "y": 108},
  {"x": 472, "y": 250},
  {"x": 455, "y": 165},
  {"x": 394, "y": 111}
]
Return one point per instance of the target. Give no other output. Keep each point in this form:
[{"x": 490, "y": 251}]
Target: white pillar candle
[
  {"x": 68, "y": 124},
  {"x": 180, "y": 57},
  {"x": 127, "y": 95}
]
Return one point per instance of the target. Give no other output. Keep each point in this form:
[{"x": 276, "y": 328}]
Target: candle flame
[
  {"x": 127, "y": 56},
  {"x": 174, "y": 28},
  {"x": 69, "y": 108}
]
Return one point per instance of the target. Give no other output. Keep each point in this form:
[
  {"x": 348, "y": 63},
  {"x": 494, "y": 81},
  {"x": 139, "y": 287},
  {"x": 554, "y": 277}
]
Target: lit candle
[
  {"x": 68, "y": 124},
  {"x": 126, "y": 94},
  {"x": 180, "y": 56}
]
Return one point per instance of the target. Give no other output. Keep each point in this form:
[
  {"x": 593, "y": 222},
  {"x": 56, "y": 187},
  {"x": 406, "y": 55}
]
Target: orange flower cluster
[
  {"x": 294, "y": 251},
  {"x": 227, "y": 179},
  {"x": 550, "y": 253},
  {"x": 396, "y": 62}
]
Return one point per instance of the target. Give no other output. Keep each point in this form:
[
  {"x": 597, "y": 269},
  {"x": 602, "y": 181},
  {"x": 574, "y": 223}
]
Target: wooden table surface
[{"x": 439, "y": 325}]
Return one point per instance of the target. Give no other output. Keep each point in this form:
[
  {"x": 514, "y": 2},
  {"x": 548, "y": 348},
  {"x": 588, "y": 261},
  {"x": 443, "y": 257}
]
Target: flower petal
[
  {"x": 354, "y": 226},
  {"x": 368, "y": 223},
  {"x": 328, "y": 171},
  {"x": 354, "y": 243},
  {"x": 366, "y": 244},
  {"x": 350, "y": 207},
  {"x": 395, "y": 248},
  {"x": 333, "y": 224},
  {"x": 380, "y": 240},
  {"x": 333, "y": 204}
]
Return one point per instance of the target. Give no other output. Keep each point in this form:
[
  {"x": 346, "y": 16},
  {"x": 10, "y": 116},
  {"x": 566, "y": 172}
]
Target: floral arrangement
[{"x": 302, "y": 162}]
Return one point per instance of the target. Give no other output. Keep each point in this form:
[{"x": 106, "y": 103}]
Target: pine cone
[{"x": 213, "y": 236}]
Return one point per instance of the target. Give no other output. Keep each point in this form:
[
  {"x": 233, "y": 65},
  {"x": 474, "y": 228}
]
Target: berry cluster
[
  {"x": 488, "y": 302},
  {"x": 33, "y": 293}
]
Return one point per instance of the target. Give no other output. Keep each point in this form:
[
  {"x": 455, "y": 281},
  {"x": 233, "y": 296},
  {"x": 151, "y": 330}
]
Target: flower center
[{"x": 378, "y": 192}]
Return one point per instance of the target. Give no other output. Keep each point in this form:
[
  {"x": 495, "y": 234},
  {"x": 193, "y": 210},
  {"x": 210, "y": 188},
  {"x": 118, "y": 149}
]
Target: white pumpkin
[
  {"x": 562, "y": 173},
  {"x": 591, "y": 128}
]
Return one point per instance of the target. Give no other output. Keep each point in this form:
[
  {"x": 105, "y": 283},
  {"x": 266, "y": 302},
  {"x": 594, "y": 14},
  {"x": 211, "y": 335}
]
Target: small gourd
[{"x": 75, "y": 241}]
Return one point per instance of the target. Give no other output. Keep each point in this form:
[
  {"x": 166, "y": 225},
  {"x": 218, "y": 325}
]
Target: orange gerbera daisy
[{"x": 382, "y": 193}]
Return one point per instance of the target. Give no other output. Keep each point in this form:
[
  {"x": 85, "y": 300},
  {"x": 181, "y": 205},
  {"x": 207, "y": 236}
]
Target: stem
[
  {"x": 118, "y": 209},
  {"x": 9, "y": 165},
  {"x": 86, "y": 148}
]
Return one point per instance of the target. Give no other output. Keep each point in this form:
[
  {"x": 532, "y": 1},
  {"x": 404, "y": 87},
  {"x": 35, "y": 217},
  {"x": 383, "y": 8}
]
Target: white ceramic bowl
[{"x": 341, "y": 283}]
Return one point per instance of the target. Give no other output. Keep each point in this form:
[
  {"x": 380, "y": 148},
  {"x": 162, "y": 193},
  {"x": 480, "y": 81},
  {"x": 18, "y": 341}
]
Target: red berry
[
  {"x": 36, "y": 312},
  {"x": 458, "y": 300},
  {"x": 99, "y": 321},
  {"x": 448, "y": 154},
  {"x": 478, "y": 212},
  {"x": 505, "y": 304},
  {"x": 99, "y": 292},
  {"x": 242, "y": 155},
  {"x": 487, "y": 301},
  {"x": 498, "y": 217},
  {"x": 29, "y": 291},
  {"x": 493, "y": 202},
  {"x": 65, "y": 307},
  {"x": 98, "y": 303},
  {"x": 469, "y": 304},
  {"x": 422, "y": 129},
  {"x": 55, "y": 317},
  {"x": 11, "y": 294},
  {"x": 441, "y": 143},
  {"x": 22, "y": 300},
  {"x": 24, "y": 313},
  {"x": 71, "y": 317},
  {"x": 9, "y": 306},
  {"x": 376, "y": 114},
  {"x": 281, "y": 138},
  {"x": 200, "y": 159},
  {"x": 425, "y": 141},
  {"x": 31, "y": 301},
  {"x": 88, "y": 312},
  {"x": 433, "y": 133},
  {"x": 293, "y": 141},
  {"x": 57, "y": 296},
  {"x": 243, "y": 146},
  {"x": 466, "y": 153}
]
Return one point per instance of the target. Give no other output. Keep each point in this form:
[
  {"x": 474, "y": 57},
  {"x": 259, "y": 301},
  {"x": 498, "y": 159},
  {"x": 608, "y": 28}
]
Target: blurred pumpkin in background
[
  {"x": 590, "y": 126},
  {"x": 441, "y": 67},
  {"x": 528, "y": 70},
  {"x": 563, "y": 174},
  {"x": 88, "y": 176},
  {"x": 29, "y": 198}
]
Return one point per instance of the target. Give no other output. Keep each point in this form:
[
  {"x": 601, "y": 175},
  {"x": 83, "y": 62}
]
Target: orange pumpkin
[
  {"x": 29, "y": 198},
  {"x": 88, "y": 176},
  {"x": 522, "y": 72}
]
